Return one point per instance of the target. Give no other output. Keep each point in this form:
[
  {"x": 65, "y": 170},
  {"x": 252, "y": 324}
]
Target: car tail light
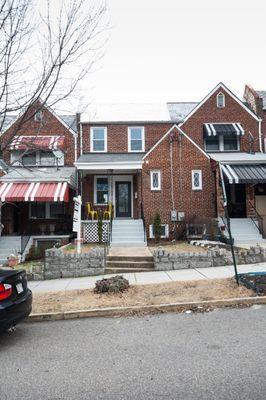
[{"x": 5, "y": 291}]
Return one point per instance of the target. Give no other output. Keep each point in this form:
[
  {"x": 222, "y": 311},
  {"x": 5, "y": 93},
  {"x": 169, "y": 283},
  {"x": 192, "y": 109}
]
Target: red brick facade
[
  {"x": 117, "y": 136},
  {"x": 50, "y": 125},
  {"x": 176, "y": 189}
]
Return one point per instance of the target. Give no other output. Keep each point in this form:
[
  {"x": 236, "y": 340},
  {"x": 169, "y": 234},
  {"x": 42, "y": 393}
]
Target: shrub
[
  {"x": 35, "y": 253},
  {"x": 157, "y": 227},
  {"x": 100, "y": 230},
  {"x": 116, "y": 284}
]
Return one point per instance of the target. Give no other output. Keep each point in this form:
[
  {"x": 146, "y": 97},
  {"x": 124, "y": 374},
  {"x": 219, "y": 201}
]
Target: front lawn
[
  {"x": 85, "y": 248},
  {"x": 177, "y": 247},
  {"x": 172, "y": 292}
]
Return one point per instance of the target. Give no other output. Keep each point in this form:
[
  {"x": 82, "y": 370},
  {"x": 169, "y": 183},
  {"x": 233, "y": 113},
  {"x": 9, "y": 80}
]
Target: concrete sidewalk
[{"x": 145, "y": 278}]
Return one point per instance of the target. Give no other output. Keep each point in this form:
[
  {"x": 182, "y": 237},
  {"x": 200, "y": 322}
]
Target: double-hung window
[
  {"x": 196, "y": 179},
  {"x": 229, "y": 142},
  {"x": 156, "y": 180},
  {"x": 41, "y": 210},
  {"x": 98, "y": 139},
  {"x": 101, "y": 190},
  {"x": 136, "y": 139}
]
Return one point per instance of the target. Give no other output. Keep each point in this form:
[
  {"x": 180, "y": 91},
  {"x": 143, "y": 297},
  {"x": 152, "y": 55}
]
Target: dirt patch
[
  {"x": 172, "y": 292},
  {"x": 177, "y": 247},
  {"x": 85, "y": 248}
]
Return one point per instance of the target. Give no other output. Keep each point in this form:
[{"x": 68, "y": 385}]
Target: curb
[{"x": 133, "y": 310}]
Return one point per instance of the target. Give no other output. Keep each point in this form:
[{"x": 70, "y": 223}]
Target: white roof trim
[
  {"x": 182, "y": 133},
  {"x": 220, "y": 85},
  {"x": 133, "y": 165},
  {"x": 50, "y": 110}
]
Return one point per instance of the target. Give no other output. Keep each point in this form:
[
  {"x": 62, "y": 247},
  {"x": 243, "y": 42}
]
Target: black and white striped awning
[
  {"x": 245, "y": 173},
  {"x": 223, "y": 129}
]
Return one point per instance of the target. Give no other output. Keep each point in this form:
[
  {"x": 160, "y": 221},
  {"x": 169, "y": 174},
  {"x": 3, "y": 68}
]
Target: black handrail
[
  {"x": 258, "y": 225},
  {"x": 143, "y": 220}
]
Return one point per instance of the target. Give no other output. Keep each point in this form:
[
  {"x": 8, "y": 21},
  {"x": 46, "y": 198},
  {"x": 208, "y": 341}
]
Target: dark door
[
  {"x": 236, "y": 196},
  {"x": 123, "y": 199}
]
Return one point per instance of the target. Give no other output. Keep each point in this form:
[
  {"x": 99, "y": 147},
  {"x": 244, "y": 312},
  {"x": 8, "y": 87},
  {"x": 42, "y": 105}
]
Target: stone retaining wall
[
  {"x": 63, "y": 265},
  {"x": 165, "y": 261}
]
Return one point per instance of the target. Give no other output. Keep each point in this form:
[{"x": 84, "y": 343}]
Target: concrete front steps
[
  {"x": 123, "y": 264},
  {"x": 128, "y": 232},
  {"x": 244, "y": 231},
  {"x": 9, "y": 245}
]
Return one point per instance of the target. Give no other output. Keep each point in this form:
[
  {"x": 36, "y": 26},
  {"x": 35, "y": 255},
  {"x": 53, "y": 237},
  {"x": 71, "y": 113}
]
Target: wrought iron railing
[
  {"x": 258, "y": 221},
  {"x": 143, "y": 220}
]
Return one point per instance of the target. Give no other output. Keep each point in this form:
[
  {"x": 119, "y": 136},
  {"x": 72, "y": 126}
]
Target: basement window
[{"x": 164, "y": 231}]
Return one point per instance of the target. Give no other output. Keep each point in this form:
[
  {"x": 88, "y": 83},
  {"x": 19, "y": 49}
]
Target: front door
[
  {"x": 236, "y": 196},
  {"x": 123, "y": 199}
]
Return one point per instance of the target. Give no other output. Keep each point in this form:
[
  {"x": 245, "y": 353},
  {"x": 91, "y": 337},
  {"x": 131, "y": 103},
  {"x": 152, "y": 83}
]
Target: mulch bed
[{"x": 256, "y": 282}]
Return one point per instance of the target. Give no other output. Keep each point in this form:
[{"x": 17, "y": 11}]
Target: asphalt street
[{"x": 216, "y": 355}]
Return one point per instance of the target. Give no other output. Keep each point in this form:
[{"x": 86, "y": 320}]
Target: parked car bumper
[{"x": 12, "y": 312}]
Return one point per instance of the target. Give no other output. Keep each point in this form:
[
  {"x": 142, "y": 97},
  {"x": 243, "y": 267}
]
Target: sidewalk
[{"x": 145, "y": 278}]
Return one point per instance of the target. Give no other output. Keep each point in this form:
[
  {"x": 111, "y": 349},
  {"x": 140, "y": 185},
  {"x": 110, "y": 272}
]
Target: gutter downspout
[
  {"x": 228, "y": 223},
  {"x": 81, "y": 139},
  {"x": 75, "y": 147},
  {"x": 260, "y": 136}
]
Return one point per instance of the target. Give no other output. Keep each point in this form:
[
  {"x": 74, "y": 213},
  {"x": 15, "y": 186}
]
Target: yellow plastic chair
[
  {"x": 108, "y": 212},
  {"x": 90, "y": 211}
]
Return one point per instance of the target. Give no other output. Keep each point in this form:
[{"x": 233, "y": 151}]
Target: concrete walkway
[{"x": 145, "y": 278}]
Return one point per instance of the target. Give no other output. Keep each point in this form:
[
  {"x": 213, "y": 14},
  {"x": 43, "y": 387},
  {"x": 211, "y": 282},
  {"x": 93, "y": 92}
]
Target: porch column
[{"x": 250, "y": 201}]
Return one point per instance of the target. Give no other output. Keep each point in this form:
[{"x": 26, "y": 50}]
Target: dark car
[{"x": 15, "y": 298}]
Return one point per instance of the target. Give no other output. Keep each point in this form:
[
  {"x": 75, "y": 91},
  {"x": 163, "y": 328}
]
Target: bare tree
[{"x": 46, "y": 49}]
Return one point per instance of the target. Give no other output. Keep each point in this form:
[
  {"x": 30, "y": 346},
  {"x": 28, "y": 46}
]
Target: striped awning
[
  {"x": 223, "y": 129},
  {"x": 37, "y": 142},
  {"x": 245, "y": 173},
  {"x": 34, "y": 191}
]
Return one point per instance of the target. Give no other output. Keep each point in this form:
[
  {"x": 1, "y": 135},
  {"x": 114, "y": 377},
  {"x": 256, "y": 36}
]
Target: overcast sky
[{"x": 178, "y": 50}]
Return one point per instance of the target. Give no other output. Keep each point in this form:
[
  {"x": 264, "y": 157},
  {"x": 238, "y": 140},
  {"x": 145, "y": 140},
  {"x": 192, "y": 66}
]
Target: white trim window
[
  {"x": 38, "y": 116},
  {"x": 164, "y": 231},
  {"x": 101, "y": 190},
  {"x": 155, "y": 180},
  {"x": 98, "y": 139},
  {"x": 44, "y": 158},
  {"x": 46, "y": 210},
  {"x": 220, "y": 100},
  {"x": 136, "y": 139},
  {"x": 196, "y": 176},
  {"x": 222, "y": 143}
]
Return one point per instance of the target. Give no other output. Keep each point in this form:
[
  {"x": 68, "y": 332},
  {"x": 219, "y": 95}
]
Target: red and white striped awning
[
  {"x": 34, "y": 191},
  {"x": 37, "y": 142}
]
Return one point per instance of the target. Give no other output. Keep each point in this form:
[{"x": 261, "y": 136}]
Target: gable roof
[
  {"x": 69, "y": 121},
  {"x": 228, "y": 91},
  {"x": 175, "y": 126},
  {"x": 179, "y": 110}
]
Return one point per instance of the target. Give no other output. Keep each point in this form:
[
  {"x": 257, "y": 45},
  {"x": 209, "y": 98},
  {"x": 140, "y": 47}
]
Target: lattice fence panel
[{"x": 90, "y": 232}]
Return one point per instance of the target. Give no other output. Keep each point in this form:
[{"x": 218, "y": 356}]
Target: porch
[
  {"x": 114, "y": 180},
  {"x": 245, "y": 187}
]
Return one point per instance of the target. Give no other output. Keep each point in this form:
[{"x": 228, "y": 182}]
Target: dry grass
[
  {"x": 85, "y": 248},
  {"x": 177, "y": 247},
  {"x": 140, "y": 295}
]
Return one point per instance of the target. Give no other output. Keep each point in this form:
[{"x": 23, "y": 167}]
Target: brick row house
[
  {"x": 38, "y": 179},
  {"x": 143, "y": 159},
  {"x": 168, "y": 158}
]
